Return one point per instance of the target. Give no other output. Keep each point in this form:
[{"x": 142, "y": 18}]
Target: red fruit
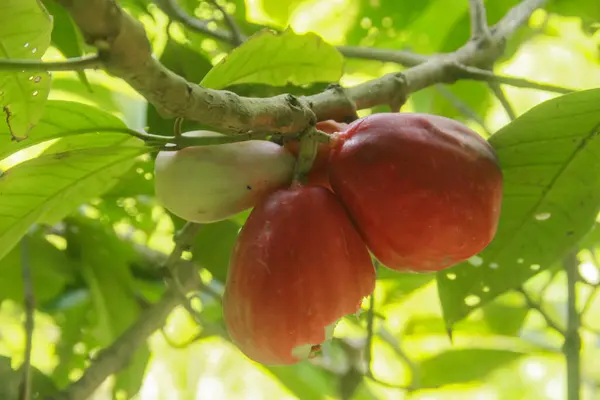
[
  {"x": 425, "y": 191},
  {"x": 318, "y": 173},
  {"x": 297, "y": 267}
]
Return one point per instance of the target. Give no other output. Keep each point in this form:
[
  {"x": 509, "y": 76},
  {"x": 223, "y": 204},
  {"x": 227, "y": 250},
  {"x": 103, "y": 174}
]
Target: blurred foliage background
[{"x": 91, "y": 281}]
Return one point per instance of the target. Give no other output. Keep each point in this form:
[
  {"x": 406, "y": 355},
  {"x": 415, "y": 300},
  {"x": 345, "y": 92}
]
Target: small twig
[
  {"x": 588, "y": 328},
  {"x": 401, "y": 57},
  {"x": 29, "y": 301},
  {"x": 183, "y": 241},
  {"x": 517, "y": 17},
  {"x": 538, "y": 307},
  {"x": 175, "y": 12},
  {"x": 177, "y": 127},
  {"x": 589, "y": 301},
  {"x": 553, "y": 274},
  {"x": 71, "y": 64},
  {"x": 115, "y": 357},
  {"x": 187, "y": 343},
  {"x": 479, "y": 26},
  {"x": 388, "y": 385},
  {"x": 501, "y": 96},
  {"x": 387, "y": 337},
  {"x": 572, "y": 344},
  {"x": 461, "y": 106},
  {"x": 479, "y": 74},
  {"x": 237, "y": 35}
]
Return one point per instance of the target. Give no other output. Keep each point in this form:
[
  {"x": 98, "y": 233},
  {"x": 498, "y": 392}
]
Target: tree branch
[
  {"x": 237, "y": 37},
  {"x": 516, "y": 17},
  {"x": 127, "y": 54},
  {"x": 176, "y": 13},
  {"x": 479, "y": 26},
  {"x": 538, "y": 307},
  {"x": 461, "y": 106},
  {"x": 404, "y": 58},
  {"x": 499, "y": 93},
  {"x": 114, "y": 358},
  {"x": 465, "y": 71}
]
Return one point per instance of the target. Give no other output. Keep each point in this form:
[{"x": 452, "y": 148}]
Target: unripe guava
[
  {"x": 298, "y": 266},
  {"x": 206, "y": 184},
  {"x": 424, "y": 191}
]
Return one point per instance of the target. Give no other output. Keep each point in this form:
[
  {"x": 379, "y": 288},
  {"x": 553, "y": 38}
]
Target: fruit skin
[
  {"x": 318, "y": 172},
  {"x": 206, "y": 184},
  {"x": 297, "y": 267},
  {"x": 424, "y": 191}
]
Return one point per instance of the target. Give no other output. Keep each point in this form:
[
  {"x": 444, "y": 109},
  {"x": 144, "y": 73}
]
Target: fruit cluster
[{"x": 419, "y": 192}]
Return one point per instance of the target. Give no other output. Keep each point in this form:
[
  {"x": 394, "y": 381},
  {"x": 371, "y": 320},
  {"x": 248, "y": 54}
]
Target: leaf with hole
[
  {"x": 278, "y": 59},
  {"x": 25, "y": 28},
  {"x": 551, "y": 166},
  {"x": 66, "y": 119}
]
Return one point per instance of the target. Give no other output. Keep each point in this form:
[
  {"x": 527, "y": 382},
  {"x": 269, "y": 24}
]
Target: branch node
[{"x": 400, "y": 96}]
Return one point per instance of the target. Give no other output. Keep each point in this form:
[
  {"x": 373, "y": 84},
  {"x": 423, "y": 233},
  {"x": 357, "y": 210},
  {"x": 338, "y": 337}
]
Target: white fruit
[{"x": 206, "y": 184}]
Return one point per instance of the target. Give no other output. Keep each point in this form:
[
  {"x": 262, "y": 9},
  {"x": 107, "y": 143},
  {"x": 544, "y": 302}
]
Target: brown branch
[
  {"x": 127, "y": 54},
  {"x": 501, "y": 96},
  {"x": 478, "y": 16}
]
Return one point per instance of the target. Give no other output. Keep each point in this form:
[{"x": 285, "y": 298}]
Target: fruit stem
[
  {"x": 307, "y": 153},
  {"x": 177, "y": 127}
]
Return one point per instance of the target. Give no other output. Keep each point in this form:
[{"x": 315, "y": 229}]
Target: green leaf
[
  {"x": 421, "y": 26},
  {"x": 463, "y": 365},
  {"x": 399, "y": 285},
  {"x": 278, "y": 59},
  {"x": 105, "y": 269},
  {"x": 549, "y": 158},
  {"x": 25, "y": 28},
  {"x": 49, "y": 187},
  {"x": 74, "y": 324},
  {"x": 213, "y": 245},
  {"x": 41, "y": 385},
  {"x": 279, "y": 12},
  {"x": 50, "y": 270},
  {"x": 185, "y": 61},
  {"x": 503, "y": 318},
  {"x": 65, "y": 35},
  {"x": 62, "y": 119},
  {"x": 137, "y": 181},
  {"x": 305, "y": 381}
]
